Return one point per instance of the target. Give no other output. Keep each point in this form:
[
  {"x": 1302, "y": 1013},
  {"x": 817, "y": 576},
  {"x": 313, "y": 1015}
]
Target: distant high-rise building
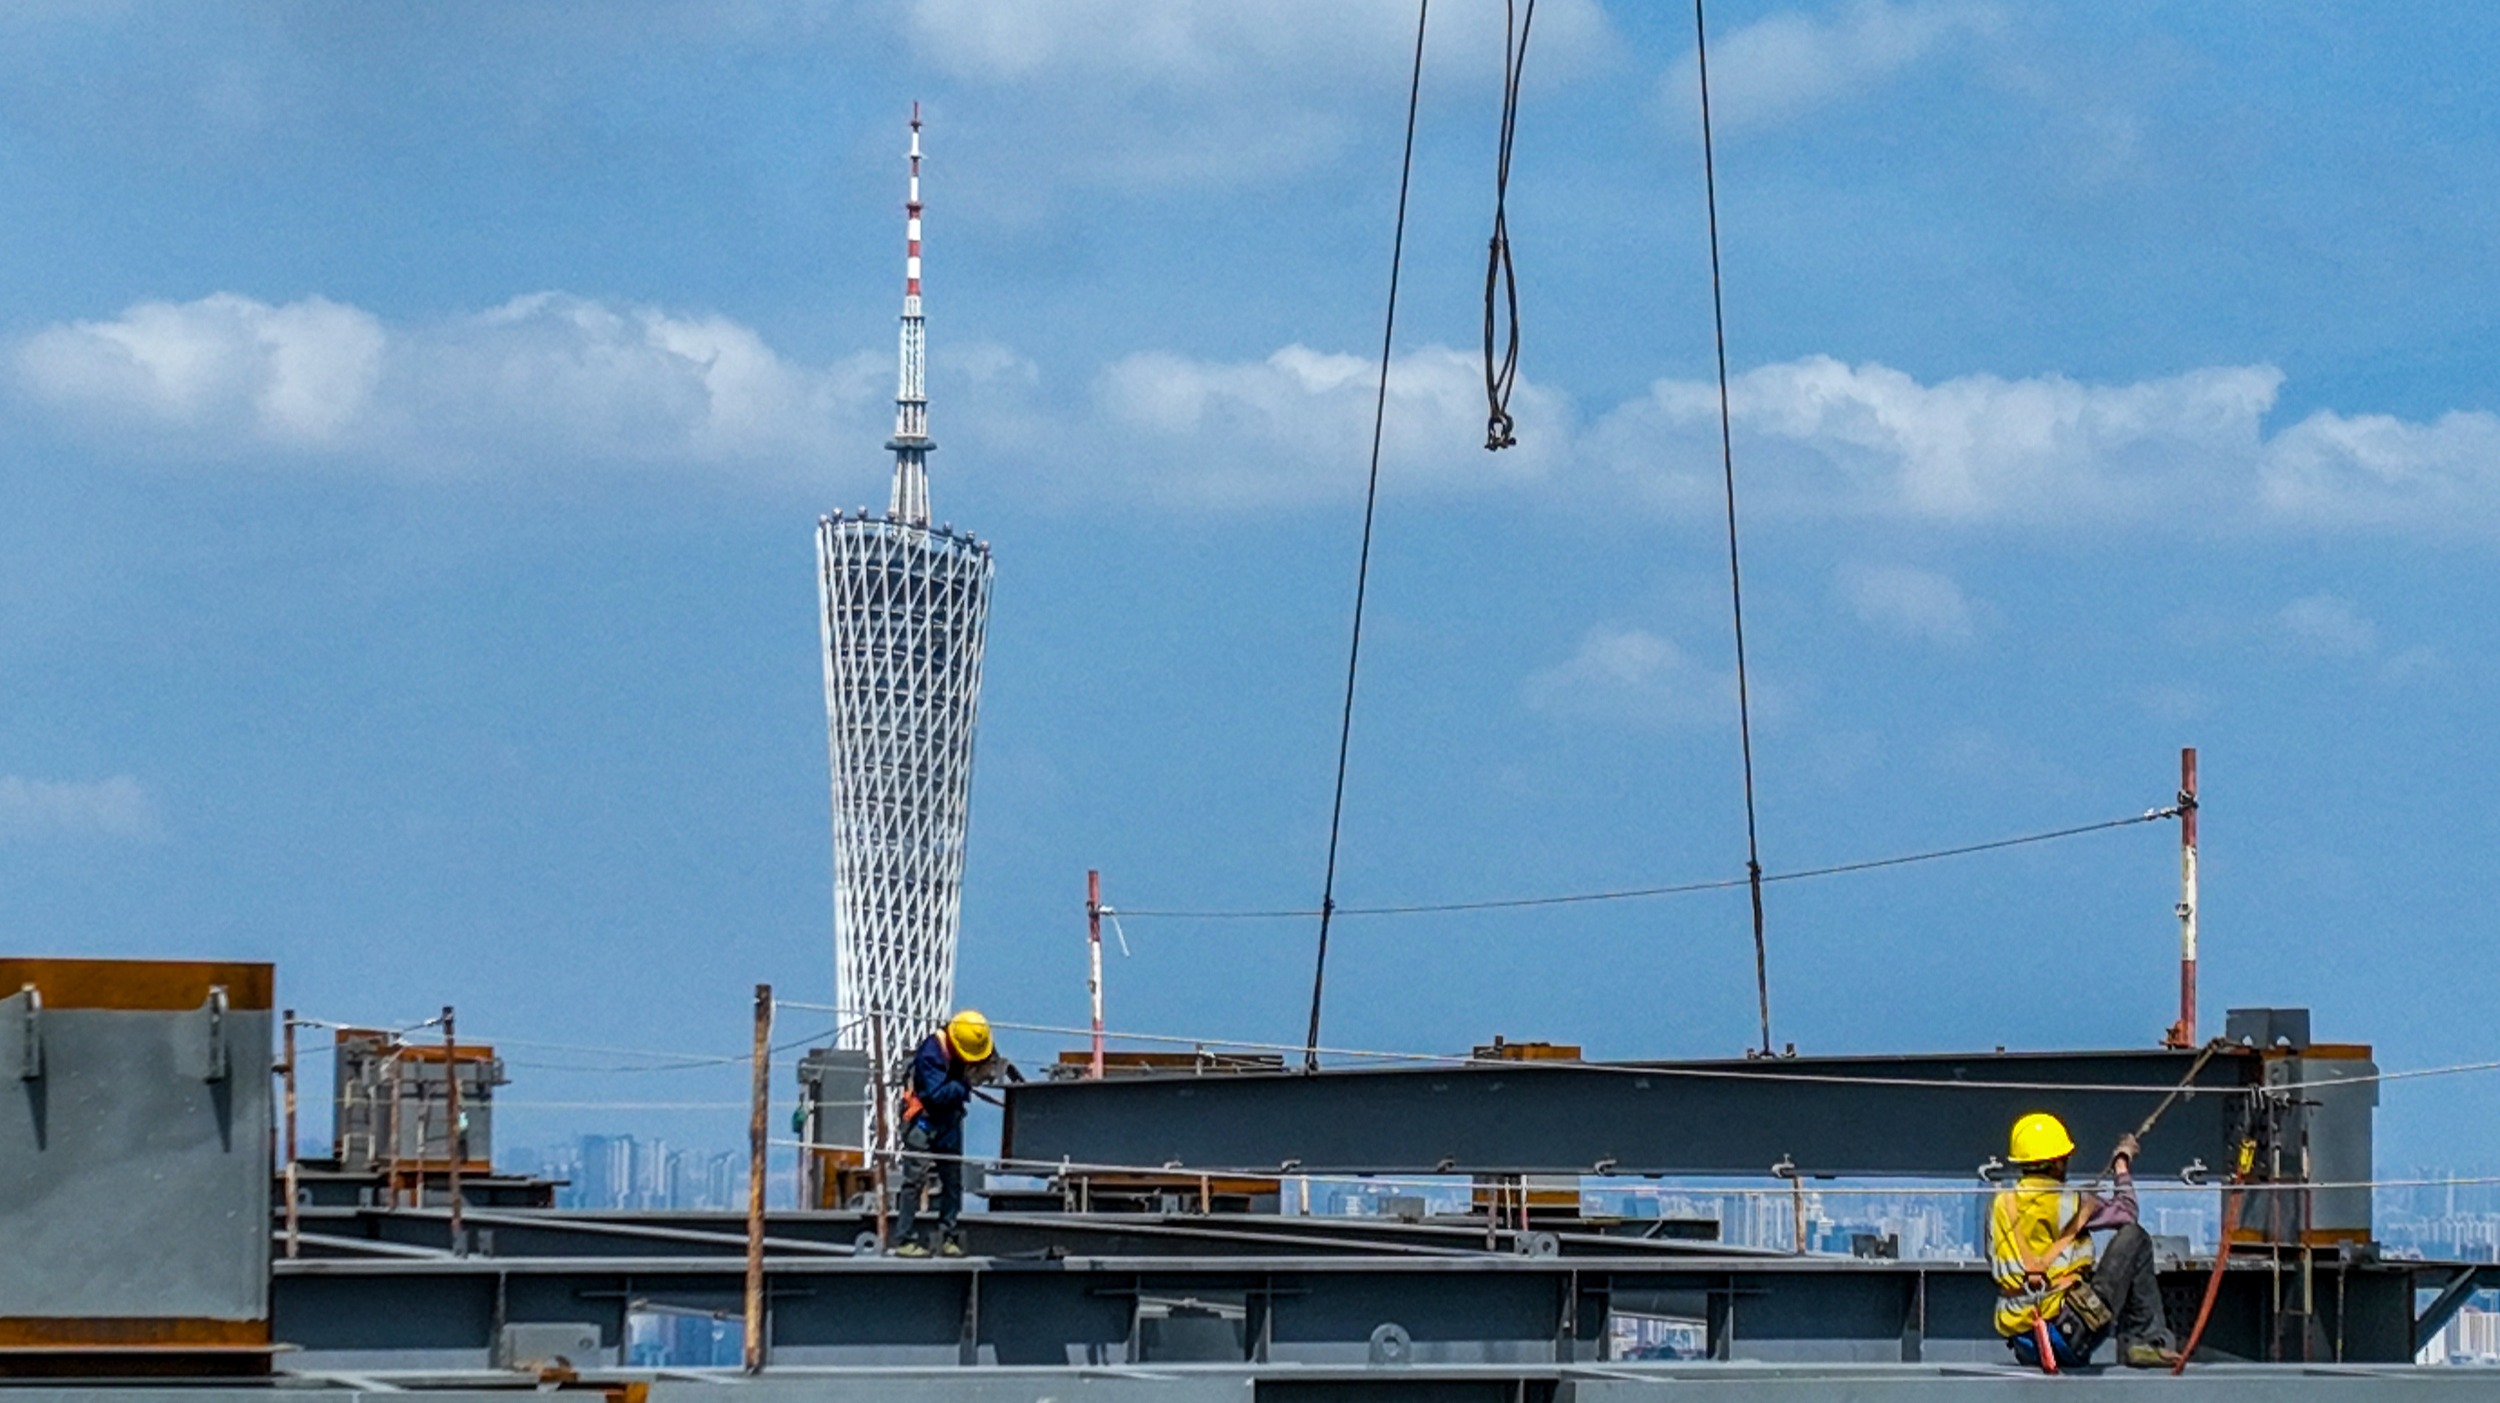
[{"x": 905, "y": 612}]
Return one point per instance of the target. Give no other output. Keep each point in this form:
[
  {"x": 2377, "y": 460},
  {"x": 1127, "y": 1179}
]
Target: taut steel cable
[
  {"x": 1735, "y": 577},
  {"x": 1363, "y": 567}
]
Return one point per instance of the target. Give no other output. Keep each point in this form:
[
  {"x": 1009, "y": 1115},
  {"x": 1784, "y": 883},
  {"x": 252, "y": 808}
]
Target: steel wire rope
[
  {"x": 501, "y": 1104},
  {"x": 1454, "y": 1059},
  {"x": 1678, "y": 889},
  {"x": 1751, "y": 1068},
  {"x": 1363, "y": 566},
  {"x": 679, "y": 1062},
  {"x": 1735, "y": 576},
  {"x": 1462, "y": 1178},
  {"x": 1501, "y": 277},
  {"x": 1219, "y": 1044}
]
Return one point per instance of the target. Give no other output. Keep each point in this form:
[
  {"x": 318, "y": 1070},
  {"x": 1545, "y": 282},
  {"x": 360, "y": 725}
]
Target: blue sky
[{"x": 412, "y": 424}]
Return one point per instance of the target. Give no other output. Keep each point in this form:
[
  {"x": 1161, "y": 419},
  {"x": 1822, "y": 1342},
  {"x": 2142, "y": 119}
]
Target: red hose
[
  {"x": 2213, "y": 1283},
  {"x": 2040, "y": 1335}
]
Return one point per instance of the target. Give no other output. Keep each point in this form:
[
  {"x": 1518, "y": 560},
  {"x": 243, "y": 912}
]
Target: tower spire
[{"x": 910, "y": 443}]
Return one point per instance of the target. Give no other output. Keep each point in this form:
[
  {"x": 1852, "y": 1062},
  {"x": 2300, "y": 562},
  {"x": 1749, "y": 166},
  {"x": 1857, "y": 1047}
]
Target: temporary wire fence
[
  {"x": 660, "y": 1060},
  {"x": 1785, "y": 1189},
  {"x": 1749, "y": 1069},
  {"x": 504, "y": 1105}
]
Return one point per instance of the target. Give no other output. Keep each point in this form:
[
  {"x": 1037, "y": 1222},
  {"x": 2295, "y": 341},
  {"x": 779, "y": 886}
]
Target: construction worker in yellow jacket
[{"x": 2053, "y": 1297}]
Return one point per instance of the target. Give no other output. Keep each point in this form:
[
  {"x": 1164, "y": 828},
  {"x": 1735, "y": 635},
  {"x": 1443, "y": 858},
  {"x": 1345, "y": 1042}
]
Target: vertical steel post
[
  {"x": 452, "y": 1138},
  {"x": 1093, "y": 947},
  {"x": 2183, "y": 1033},
  {"x": 294, "y": 1220},
  {"x": 877, "y": 1126},
  {"x": 754, "y": 1354},
  {"x": 399, "y": 1048}
]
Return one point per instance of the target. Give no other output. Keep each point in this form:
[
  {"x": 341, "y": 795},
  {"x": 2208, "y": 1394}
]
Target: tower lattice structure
[{"x": 906, "y": 611}]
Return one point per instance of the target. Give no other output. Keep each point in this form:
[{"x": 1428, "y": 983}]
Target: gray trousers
[
  {"x": 917, "y": 1171},
  {"x": 2123, "y": 1275}
]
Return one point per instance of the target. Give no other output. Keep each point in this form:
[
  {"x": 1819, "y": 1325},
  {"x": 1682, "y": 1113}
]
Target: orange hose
[
  {"x": 2040, "y": 1336},
  {"x": 2213, "y": 1283}
]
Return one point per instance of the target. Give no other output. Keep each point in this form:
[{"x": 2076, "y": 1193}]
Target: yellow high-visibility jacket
[{"x": 2036, "y": 1228}]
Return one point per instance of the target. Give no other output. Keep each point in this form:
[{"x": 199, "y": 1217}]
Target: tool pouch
[{"x": 2088, "y": 1307}]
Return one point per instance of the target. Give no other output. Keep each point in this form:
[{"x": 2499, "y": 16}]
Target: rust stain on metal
[
  {"x": 73, "y": 1331},
  {"x": 144, "y": 986}
]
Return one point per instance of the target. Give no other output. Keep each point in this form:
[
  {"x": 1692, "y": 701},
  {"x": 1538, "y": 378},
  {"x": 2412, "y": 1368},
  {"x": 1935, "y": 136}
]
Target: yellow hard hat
[
  {"x": 2038, "y": 1138},
  {"x": 970, "y": 1034}
]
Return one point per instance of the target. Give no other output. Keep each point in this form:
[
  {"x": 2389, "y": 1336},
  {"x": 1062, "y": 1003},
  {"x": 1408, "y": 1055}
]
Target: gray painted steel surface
[
  {"x": 441, "y": 1312},
  {"x": 135, "y": 1158},
  {"x": 1606, "y": 1383},
  {"x": 1939, "y": 1116}
]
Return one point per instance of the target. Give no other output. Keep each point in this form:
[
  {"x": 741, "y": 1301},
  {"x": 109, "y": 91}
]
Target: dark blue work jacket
[{"x": 939, "y": 1093}]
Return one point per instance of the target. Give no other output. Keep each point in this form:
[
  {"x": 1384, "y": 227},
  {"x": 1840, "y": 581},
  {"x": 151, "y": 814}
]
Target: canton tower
[{"x": 905, "y": 611}]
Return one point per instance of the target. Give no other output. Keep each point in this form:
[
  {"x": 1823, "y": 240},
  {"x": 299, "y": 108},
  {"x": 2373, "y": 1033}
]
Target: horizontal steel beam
[
  {"x": 1929, "y": 1116},
  {"x": 426, "y": 1232},
  {"x": 1319, "y": 1310}
]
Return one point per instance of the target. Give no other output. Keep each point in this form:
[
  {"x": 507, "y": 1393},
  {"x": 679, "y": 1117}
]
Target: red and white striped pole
[
  {"x": 911, "y": 213},
  {"x": 2183, "y": 1033},
  {"x": 1093, "y": 943}
]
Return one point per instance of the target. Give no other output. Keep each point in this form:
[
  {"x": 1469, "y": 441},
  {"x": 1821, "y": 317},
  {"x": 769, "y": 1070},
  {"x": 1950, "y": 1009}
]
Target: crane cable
[
  {"x": 1735, "y": 578},
  {"x": 1501, "y": 279},
  {"x": 1513, "y": 903},
  {"x": 1363, "y": 567}
]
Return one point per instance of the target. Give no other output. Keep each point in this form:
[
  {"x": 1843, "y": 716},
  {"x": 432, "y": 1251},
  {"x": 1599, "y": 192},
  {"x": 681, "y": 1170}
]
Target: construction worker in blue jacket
[
  {"x": 943, "y": 1073},
  {"x": 2055, "y": 1302}
]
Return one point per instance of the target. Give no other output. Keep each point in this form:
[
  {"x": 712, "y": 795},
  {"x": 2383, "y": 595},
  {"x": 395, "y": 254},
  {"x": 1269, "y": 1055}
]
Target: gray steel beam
[
  {"x": 1216, "y": 1383},
  {"x": 1938, "y": 1116},
  {"x": 2459, "y": 1288},
  {"x": 1317, "y": 1310},
  {"x": 332, "y": 1232}
]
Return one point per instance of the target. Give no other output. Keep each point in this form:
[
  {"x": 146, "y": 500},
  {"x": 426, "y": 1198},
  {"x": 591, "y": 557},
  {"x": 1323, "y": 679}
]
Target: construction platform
[
  {"x": 1290, "y": 1307},
  {"x": 140, "y": 1255},
  {"x": 1218, "y": 1383}
]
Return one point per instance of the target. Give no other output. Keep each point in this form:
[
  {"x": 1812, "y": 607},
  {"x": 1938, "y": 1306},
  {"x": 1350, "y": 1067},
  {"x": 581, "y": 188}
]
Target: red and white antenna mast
[{"x": 910, "y": 443}]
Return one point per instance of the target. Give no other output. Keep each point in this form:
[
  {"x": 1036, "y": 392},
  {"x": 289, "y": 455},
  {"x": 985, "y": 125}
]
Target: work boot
[
  {"x": 912, "y": 1248},
  {"x": 2144, "y": 1354},
  {"x": 951, "y": 1247}
]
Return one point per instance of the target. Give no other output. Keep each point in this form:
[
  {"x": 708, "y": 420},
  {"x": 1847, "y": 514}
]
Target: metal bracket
[
  {"x": 2453, "y": 1295},
  {"x": 215, "y": 1062},
  {"x": 25, "y": 1043}
]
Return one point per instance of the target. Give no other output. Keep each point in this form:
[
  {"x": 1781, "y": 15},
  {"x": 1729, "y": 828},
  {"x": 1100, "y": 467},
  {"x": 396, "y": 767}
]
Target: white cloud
[
  {"x": 40, "y": 808},
  {"x": 2326, "y": 626},
  {"x": 1209, "y": 92},
  {"x": 1817, "y": 438},
  {"x": 1204, "y": 47},
  {"x": 2333, "y": 629},
  {"x": 1296, "y": 426},
  {"x": 1789, "y": 63},
  {"x": 1910, "y": 603},
  {"x": 553, "y": 383},
  {"x": 545, "y": 380},
  {"x": 2377, "y": 470},
  {"x": 1629, "y": 675},
  {"x": 295, "y": 375}
]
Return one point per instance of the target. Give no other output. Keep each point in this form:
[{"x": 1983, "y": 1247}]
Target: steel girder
[
  {"x": 1930, "y": 1115},
  {"x": 444, "y": 1312}
]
